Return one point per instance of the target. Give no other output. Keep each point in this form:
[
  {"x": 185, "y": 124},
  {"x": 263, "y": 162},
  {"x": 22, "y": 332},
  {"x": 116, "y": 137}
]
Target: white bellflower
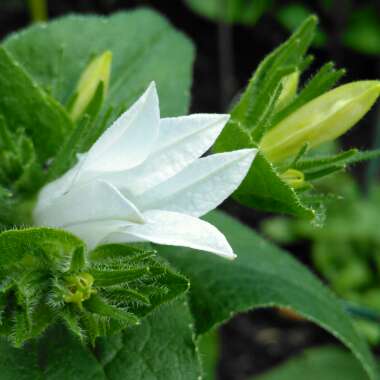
[{"x": 143, "y": 180}]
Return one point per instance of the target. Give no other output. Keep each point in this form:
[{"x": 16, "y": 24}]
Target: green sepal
[
  {"x": 281, "y": 62},
  {"x": 317, "y": 167},
  {"x": 99, "y": 306}
]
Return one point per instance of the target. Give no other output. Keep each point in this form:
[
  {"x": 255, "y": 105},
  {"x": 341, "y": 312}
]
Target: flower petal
[
  {"x": 181, "y": 140},
  {"x": 96, "y": 200},
  {"x": 202, "y": 186},
  {"x": 130, "y": 138},
  {"x": 171, "y": 228},
  {"x": 93, "y": 233},
  {"x": 60, "y": 186}
]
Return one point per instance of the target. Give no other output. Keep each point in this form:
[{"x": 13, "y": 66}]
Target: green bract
[{"x": 46, "y": 276}]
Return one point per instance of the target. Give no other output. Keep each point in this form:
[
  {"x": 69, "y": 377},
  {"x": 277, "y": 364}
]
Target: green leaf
[
  {"x": 34, "y": 246},
  {"x": 209, "y": 353},
  {"x": 261, "y": 276},
  {"x": 20, "y": 170},
  {"x": 162, "y": 348},
  {"x": 56, "y": 356},
  {"x": 55, "y": 55},
  {"x": 24, "y": 104},
  {"x": 327, "y": 363},
  {"x": 240, "y": 11}
]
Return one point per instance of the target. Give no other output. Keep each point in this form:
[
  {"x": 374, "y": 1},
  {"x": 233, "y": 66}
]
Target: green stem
[{"x": 38, "y": 10}]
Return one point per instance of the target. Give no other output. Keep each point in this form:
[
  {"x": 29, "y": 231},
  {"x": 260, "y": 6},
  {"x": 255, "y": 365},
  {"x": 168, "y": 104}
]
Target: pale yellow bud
[
  {"x": 294, "y": 178},
  {"x": 322, "y": 119},
  {"x": 98, "y": 71},
  {"x": 289, "y": 89}
]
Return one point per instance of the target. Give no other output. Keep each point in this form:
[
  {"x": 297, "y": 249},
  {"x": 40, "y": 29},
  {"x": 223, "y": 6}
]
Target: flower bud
[
  {"x": 97, "y": 71},
  {"x": 322, "y": 119},
  {"x": 289, "y": 89},
  {"x": 79, "y": 288},
  {"x": 294, "y": 178}
]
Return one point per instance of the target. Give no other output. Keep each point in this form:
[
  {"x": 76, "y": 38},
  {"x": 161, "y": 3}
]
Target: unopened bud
[
  {"x": 97, "y": 72},
  {"x": 79, "y": 288},
  {"x": 289, "y": 89},
  {"x": 294, "y": 178},
  {"x": 323, "y": 119}
]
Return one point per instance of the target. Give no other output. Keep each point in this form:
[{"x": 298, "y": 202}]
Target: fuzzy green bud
[
  {"x": 98, "y": 71},
  {"x": 79, "y": 288},
  {"x": 323, "y": 119},
  {"x": 289, "y": 89}
]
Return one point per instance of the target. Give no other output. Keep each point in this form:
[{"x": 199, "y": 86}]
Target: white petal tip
[
  {"x": 152, "y": 87},
  {"x": 231, "y": 256},
  {"x": 220, "y": 119},
  {"x": 252, "y": 151},
  {"x": 224, "y": 117},
  {"x": 225, "y": 251},
  {"x": 151, "y": 96},
  {"x": 249, "y": 153}
]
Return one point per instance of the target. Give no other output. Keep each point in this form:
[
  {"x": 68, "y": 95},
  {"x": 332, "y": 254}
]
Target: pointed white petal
[
  {"x": 202, "y": 186},
  {"x": 130, "y": 138},
  {"x": 181, "y": 140},
  {"x": 93, "y": 201},
  {"x": 60, "y": 186},
  {"x": 93, "y": 233},
  {"x": 171, "y": 228}
]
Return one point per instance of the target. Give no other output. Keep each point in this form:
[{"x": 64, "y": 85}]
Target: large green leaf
[
  {"x": 58, "y": 356},
  {"x": 327, "y": 363},
  {"x": 261, "y": 276},
  {"x": 161, "y": 348},
  {"x": 24, "y": 104},
  {"x": 144, "y": 47}
]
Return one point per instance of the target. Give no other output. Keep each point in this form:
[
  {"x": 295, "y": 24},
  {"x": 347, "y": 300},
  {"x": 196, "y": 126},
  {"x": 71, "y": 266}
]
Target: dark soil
[{"x": 254, "y": 342}]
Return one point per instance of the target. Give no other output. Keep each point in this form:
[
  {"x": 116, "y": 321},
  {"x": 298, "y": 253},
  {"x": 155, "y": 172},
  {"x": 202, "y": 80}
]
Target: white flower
[{"x": 143, "y": 180}]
